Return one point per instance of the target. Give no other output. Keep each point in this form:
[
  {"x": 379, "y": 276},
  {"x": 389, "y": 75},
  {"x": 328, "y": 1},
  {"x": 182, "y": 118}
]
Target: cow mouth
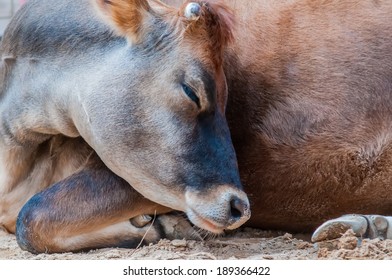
[{"x": 204, "y": 223}]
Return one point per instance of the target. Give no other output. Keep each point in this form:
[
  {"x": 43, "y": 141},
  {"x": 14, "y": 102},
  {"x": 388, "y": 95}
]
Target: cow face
[{"x": 158, "y": 120}]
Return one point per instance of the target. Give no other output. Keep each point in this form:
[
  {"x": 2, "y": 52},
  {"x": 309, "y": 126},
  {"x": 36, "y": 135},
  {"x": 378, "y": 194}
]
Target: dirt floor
[{"x": 243, "y": 244}]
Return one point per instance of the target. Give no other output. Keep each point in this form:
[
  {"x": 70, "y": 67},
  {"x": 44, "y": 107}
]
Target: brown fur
[
  {"x": 128, "y": 15},
  {"x": 217, "y": 20},
  {"x": 310, "y": 108}
]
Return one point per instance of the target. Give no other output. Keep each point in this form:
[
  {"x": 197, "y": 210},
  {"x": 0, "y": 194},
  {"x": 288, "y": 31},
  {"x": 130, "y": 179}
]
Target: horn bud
[{"x": 192, "y": 11}]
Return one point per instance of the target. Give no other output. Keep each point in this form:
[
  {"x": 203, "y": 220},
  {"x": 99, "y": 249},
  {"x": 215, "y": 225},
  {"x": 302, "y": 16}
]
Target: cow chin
[{"x": 204, "y": 223}]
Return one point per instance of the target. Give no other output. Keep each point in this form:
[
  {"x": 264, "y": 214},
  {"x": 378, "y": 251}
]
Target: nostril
[{"x": 237, "y": 208}]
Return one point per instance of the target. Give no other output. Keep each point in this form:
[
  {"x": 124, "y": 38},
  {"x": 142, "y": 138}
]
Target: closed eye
[{"x": 191, "y": 94}]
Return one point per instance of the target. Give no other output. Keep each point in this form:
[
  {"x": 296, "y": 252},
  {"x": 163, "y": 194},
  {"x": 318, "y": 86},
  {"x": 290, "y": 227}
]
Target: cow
[
  {"x": 112, "y": 111},
  {"x": 310, "y": 92}
]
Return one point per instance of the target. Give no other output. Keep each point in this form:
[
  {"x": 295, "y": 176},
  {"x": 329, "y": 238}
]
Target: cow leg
[
  {"x": 364, "y": 226},
  {"x": 93, "y": 208}
]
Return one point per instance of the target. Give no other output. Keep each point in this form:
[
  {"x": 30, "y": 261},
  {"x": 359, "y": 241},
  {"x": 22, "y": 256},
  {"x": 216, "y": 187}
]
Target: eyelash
[{"x": 191, "y": 94}]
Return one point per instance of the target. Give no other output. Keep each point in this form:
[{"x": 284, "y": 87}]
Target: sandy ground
[{"x": 243, "y": 244}]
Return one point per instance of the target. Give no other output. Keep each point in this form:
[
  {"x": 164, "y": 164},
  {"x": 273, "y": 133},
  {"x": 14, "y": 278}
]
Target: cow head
[{"x": 157, "y": 116}]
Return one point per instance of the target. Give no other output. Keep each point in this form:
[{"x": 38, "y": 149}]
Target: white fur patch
[{"x": 192, "y": 11}]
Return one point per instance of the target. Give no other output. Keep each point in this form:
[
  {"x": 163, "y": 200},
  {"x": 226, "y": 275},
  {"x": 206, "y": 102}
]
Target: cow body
[{"x": 310, "y": 109}]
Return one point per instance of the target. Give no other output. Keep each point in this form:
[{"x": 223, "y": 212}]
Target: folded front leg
[{"x": 90, "y": 209}]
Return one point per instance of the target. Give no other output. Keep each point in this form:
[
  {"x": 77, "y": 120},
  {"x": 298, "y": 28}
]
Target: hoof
[
  {"x": 170, "y": 226},
  {"x": 364, "y": 226},
  {"x": 140, "y": 221},
  {"x": 178, "y": 227}
]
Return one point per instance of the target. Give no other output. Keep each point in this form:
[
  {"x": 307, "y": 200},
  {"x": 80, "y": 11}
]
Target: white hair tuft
[{"x": 192, "y": 11}]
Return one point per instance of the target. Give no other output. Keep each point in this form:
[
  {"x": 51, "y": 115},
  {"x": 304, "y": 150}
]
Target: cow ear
[{"x": 126, "y": 17}]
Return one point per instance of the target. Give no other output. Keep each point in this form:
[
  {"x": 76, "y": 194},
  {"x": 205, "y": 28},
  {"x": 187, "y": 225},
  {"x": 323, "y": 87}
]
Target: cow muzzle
[{"x": 218, "y": 208}]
